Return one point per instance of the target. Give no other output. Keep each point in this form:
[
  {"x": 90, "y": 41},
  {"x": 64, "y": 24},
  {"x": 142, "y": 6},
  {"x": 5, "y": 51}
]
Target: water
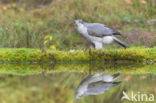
[{"x": 77, "y": 83}]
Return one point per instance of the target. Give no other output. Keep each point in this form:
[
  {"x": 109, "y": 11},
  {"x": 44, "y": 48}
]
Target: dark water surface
[{"x": 80, "y": 83}]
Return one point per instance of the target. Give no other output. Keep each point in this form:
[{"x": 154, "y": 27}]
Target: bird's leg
[
  {"x": 90, "y": 70},
  {"x": 90, "y": 52},
  {"x": 91, "y": 47}
]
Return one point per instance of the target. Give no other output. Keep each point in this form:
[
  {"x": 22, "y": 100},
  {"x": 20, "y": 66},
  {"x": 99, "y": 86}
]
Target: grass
[
  {"x": 25, "y": 27},
  {"x": 135, "y": 54}
]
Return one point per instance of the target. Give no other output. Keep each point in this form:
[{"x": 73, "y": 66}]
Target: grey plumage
[
  {"x": 100, "y": 87},
  {"x": 96, "y": 84},
  {"x": 120, "y": 42},
  {"x": 99, "y": 30},
  {"x": 97, "y": 34}
]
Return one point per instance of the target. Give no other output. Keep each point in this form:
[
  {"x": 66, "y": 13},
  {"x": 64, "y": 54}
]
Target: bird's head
[
  {"x": 81, "y": 91},
  {"x": 78, "y": 22},
  {"x": 79, "y": 94}
]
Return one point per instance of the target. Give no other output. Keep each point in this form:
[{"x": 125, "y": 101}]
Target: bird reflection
[{"x": 96, "y": 84}]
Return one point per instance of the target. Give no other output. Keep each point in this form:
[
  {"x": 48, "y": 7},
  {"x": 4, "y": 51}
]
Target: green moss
[{"x": 34, "y": 55}]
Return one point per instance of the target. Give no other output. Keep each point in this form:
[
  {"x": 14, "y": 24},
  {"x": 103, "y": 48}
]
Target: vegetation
[
  {"x": 43, "y": 60},
  {"x": 60, "y": 88},
  {"x": 25, "y": 23},
  {"x": 114, "y": 55},
  {"x": 54, "y": 68}
]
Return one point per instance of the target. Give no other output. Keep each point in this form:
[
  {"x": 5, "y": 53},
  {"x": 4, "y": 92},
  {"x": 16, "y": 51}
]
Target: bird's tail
[
  {"x": 116, "y": 83},
  {"x": 116, "y": 76},
  {"x": 120, "y": 42}
]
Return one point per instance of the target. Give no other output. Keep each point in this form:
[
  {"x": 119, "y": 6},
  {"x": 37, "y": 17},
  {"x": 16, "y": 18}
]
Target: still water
[{"x": 77, "y": 83}]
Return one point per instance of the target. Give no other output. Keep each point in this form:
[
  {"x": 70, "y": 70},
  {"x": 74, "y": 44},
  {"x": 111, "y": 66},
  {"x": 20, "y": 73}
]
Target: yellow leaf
[
  {"x": 46, "y": 37},
  {"x": 53, "y": 47},
  {"x": 4, "y": 8},
  {"x": 57, "y": 43},
  {"x": 50, "y": 37},
  {"x": 45, "y": 42}
]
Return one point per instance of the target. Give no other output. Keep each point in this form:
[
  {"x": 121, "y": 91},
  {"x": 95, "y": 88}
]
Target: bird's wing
[
  {"x": 99, "y": 30},
  {"x": 92, "y": 78},
  {"x": 100, "y": 87},
  {"x": 86, "y": 80}
]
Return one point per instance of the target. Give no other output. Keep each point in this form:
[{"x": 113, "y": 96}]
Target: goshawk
[{"x": 97, "y": 34}]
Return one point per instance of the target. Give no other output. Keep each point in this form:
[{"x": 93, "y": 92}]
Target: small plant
[{"x": 50, "y": 42}]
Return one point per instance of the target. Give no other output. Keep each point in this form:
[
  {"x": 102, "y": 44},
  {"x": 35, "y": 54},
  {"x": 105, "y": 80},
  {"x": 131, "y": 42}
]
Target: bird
[
  {"x": 97, "y": 34},
  {"x": 96, "y": 84}
]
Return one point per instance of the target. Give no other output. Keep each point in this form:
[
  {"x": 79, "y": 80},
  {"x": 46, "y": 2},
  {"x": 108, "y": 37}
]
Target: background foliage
[{"x": 25, "y": 23}]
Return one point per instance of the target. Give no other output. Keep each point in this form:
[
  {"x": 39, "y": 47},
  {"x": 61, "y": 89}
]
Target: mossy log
[{"x": 135, "y": 54}]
